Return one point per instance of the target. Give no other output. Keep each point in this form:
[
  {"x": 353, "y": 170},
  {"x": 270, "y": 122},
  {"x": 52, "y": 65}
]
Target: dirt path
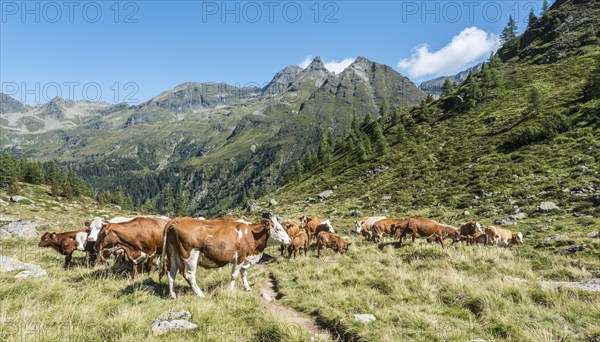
[{"x": 269, "y": 297}]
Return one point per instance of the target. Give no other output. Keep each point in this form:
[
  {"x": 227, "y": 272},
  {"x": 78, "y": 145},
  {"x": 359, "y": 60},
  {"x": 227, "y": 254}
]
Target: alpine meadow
[{"x": 339, "y": 201}]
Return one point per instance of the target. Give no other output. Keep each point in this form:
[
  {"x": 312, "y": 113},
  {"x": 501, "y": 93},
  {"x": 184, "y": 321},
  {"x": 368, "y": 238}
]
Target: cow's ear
[
  {"x": 52, "y": 235},
  {"x": 265, "y": 222},
  {"x": 104, "y": 223},
  {"x": 87, "y": 223},
  {"x": 72, "y": 238}
]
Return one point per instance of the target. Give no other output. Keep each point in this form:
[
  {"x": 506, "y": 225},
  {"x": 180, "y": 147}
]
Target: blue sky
[{"x": 132, "y": 51}]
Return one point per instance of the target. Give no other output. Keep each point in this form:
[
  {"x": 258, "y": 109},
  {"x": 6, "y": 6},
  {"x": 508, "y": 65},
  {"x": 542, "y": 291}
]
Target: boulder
[
  {"x": 266, "y": 297},
  {"x": 547, "y": 207},
  {"x": 272, "y": 202},
  {"x": 594, "y": 235},
  {"x": 466, "y": 213},
  {"x": 355, "y": 213},
  {"x": 325, "y": 194},
  {"x": 251, "y": 206},
  {"x": 32, "y": 273},
  {"x": 21, "y": 228},
  {"x": 558, "y": 240},
  {"x": 364, "y": 318},
  {"x": 574, "y": 249},
  {"x": 3, "y": 203},
  {"x": 176, "y": 320},
  {"x": 505, "y": 222},
  {"x": 592, "y": 284},
  {"x": 518, "y": 216},
  {"x": 18, "y": 199},
  {"x": 8, "y": 264}
]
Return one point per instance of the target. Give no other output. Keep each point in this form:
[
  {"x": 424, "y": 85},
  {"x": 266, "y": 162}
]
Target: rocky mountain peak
[
  {"x": 9, "y": 105},
  {"x": 282, "y": 80}
]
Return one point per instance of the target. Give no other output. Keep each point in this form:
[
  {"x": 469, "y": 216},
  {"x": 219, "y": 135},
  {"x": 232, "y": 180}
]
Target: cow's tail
[{"x": 163, "y": 255}]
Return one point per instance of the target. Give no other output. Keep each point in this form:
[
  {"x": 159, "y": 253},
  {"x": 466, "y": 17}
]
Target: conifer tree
[
  {"x": 448, "y": 87},
  {"x": 509, "y": 33},
  {"x": 384, "y": 109},
  {"x": 532, "y": 18},
  {"x": 379, "y": 139}
]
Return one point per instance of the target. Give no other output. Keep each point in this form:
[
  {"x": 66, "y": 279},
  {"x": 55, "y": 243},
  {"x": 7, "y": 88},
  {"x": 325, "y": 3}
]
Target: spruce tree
[
  {"x": 400, "y": 134},
  {"x": 423, "y": 111},
  {"x": 324, "y": 152},
  {"x": 53, "y": 179},
  {"x": 535, "y": 100},
  {"x": 509, "y": 33},
  {"x": 545, "y": 7},
  {"x": 532, "y": 18},
  {"x": 395, "y": 117},
  {"x": 167, "y": 198},
  {"x": 381, "y": 145},
  {"x": 384, "y": 109},
  {"x": 448, "y": 87}
]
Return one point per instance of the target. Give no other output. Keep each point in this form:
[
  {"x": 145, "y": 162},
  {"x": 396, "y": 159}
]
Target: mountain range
[{"x": 202, "y": 125}]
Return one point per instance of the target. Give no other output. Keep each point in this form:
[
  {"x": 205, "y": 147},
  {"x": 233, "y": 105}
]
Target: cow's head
[
  {"x": 277, "y": 232},
  {"x": 358, "y": 226},
  {"x": 104, "y": 241},
  {"x": 47, "y": 240},
  {"x": 95, "y": 226},
  {"x": 303, "y": 219},
  {"x": 81, "y": 240},
  {"x": 518, "y": 237},
  {"x": 329, "y": 226}
]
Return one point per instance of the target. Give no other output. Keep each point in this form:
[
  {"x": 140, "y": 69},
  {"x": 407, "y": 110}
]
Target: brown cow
[
  {"x": 424, "y": 228},
  {"x": 450, "y": 232},
  {"x": 328, "y": 240},
  {"x": 299, "y": 243},
  {"x": 64, "y": 243},
  {"x": 141, "y": 239},
  {"x": 502, "y": 237},
  {"x": 469, "y": 229},
  {"x": 291, "y": 228},
  {"x": 310, "y": 224},
  {"x": 385, "y": 227},
  {"x": 212, "y": 244},
  {"x": 478, "y": 238}
]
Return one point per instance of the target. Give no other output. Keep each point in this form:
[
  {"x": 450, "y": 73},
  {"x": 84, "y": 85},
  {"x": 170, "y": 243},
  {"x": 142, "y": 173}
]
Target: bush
[{"x": 537, "y": 131}]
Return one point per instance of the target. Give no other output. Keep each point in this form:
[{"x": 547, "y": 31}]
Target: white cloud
[
  {"x": 468, "y": 46},
  {"x": 332, "y": 65}
]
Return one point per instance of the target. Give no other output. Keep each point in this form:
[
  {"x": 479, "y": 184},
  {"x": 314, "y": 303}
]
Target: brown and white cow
[
  {"x": 299, "y": 243},
  {"x": 64, "y": 243},
  {"x": 328, "y": 240},
  {"x": 422, "y": 227},
  {"x": 141, "y": 239},
  {"x": 310, "y": 224},
  {"x": 212, "y": 244},
  {"x": 450, "y": 232},
  {"x": 502, "y": 237},
  {"x": 469, "y": 229},
  {"x": 384, "y": 226},
  {"x": 364, "y": 226},
  {"x": 478, "y": 238},
  {"x": 292, "y": 229}
]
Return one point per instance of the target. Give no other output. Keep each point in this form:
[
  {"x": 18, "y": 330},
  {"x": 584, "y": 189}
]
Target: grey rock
[
  {"x": 518, "y": 216},
  {"x": 266, "y": 297},
  {"x": 574, "y": 249},
  {"x": 3, "y": 203},
  {"x": 355, "y": 213},
  {"x": 21, "y": 228},
  {"x": 18, "y": 198},
  {"x": 594, "y": 235},
  {"x": 592, "y": 284},
  {"x": 252, "y": 206},
  {"x": 548, "y": 206},
  {"x": 8, "y": 218},
  {"x": 273, "y": 202},
  {"x": 32, "y": 273},
  {"x": 466, "y": 213},
  {"x": 505, "y": 222},
  {"x": 558, "y": 240},
  {"x": 169, "y": 316},
  {"x": 364, "y": 318},
  {"x": 325, "y": 194},
  {"x": 163, "y": 327},
  {"x": 477, "y": 340}
]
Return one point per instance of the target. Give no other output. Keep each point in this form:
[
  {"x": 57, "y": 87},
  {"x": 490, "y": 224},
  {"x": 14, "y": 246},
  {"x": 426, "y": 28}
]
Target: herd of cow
[{"x": 183, "y": 243}]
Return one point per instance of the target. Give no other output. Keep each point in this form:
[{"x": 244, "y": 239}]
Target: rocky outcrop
[
  {"x": 9, "y": 105},
  {"x": 8, "y": 264},
  {"x": 169, "y": 321},
  {"x": 21, "y": 229},
  {"x": 282, "y": 80}
]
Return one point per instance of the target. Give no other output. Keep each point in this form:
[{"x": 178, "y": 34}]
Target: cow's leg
[
  {"x": 135, "y": 270},
  {"x": 244, "y": 271},
  {"x": 235, "y": 270},
  {"x": 150, "y": 263},
  {"x": 171, "y": 277},
  {"x": 68, "y": 257},
  {"x": 319, "y": 251},
  {"x": 282, "y": 249},
  {"x": 190, "y": 272}
]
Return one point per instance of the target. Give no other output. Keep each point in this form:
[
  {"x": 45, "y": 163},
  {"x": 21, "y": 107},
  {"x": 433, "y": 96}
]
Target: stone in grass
[
  {"x": 364, "y": 318},
  {"x": 176, "y": 320},
  {"x": 594, "y": 235},
  {"x": 548, "y": 206}
]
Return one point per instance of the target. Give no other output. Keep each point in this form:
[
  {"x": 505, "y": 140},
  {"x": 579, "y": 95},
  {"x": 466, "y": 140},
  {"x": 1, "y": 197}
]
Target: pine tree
[
  {"x": 384, "y": 109},
  {"x": 53, "y": 179},
  {"x": 381, "y": 145},
  {"x": 324, "y": 152},
  {"x": 545, "y": 7},
  {"x": 495, "y": 64},
  {"x": 474, "y": 93},
  {"x": 395, "y": 118},
  {"x": 535, "y": 100},
  {"x": 7, "y": 165},
  {"x": 355, "y": 125},
  {"x": 181, "y": 202},
  {"x": 423, "y": 111},
  {"x": 509, "y": 34},
  {"x": 400, "y": 134},
  {"x": 167, "y": 197},
  {"x": 367, "y": 121},
  {"x": 532, "y": 18},
  {"x": 68, "y": 190},
  {"x": 448, "y": 87},
  {"x": 362, "y": 152}
]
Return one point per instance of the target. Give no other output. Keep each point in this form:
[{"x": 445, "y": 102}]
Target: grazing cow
[
  {"x": 328, "y": 240},
  {"x": 365, "y": 226},
  {"x": 299, "y": 243},
  {"x": 292, "y": 229},
  {"x": 478, "y": 238},
  {"x": 310, "y": 224},
  {"x": 450, "y": 232},
  {"x": 64, "y": 243},
  {"x": 385, "y": 227},
  {"x": 324, "y": 226},
  {"x": 212, "y": 244},
  {"x": 97, "y": 223},
  {"x": 424, "y": 228},
  {"x": 141, "y": 239},
  {"x": 468, "y": 230},
  {"x": 502, "y": 237}
]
